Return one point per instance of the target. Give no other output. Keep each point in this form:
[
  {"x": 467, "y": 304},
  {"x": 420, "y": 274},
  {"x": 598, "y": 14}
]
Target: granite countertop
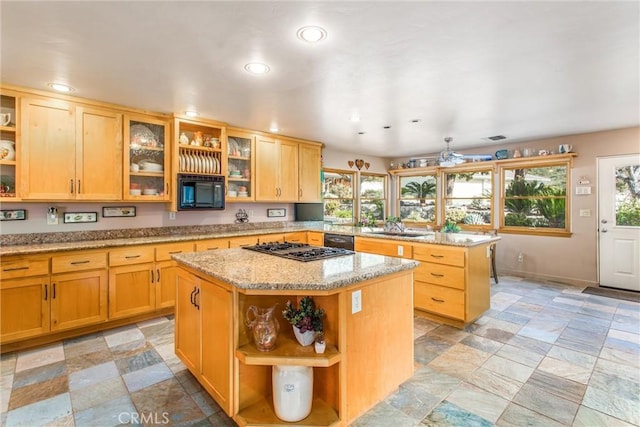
[{"x": 246, "y": 269}]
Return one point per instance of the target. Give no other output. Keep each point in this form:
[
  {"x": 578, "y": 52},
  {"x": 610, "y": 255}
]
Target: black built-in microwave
[{"x": 200, "y": 192}]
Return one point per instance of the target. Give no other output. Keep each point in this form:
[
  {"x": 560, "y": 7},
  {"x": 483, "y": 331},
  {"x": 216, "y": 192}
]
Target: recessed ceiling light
[
  {"x": 274, "y": 128},
  {"x": 257, "y": 68},
  {"x": 415, "y": 120},
  {"x": 497, "y": 137},
  {"x": 386, "y": 127},
  {"x": 61, "y": 87},
  {"x": 311, "y": 34},
  {"x": 361, "y": 133},
  {"x": 191, "y": 113},
  {"x": 355, "y": 118}
]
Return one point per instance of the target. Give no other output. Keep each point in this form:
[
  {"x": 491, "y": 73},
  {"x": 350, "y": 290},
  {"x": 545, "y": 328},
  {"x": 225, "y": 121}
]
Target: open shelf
[
  {"x": 262, "y": 413},
  {"x": 288, "y": 352}
]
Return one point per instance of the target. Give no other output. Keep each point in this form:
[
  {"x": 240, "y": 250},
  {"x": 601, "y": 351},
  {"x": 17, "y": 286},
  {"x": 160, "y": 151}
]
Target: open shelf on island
[
  {"x": 262, "y": 413},
  {"x": 288, "y": 352}
]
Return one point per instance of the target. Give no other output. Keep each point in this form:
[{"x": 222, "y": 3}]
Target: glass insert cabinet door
[
  {"x": 8, "y": 147},
  {"x": 240, "y": 165},
  {"x": 146, "y": 160}
]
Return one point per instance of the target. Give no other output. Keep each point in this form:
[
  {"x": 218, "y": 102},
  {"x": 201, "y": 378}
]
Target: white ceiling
[{"x": 470, "y": 70}]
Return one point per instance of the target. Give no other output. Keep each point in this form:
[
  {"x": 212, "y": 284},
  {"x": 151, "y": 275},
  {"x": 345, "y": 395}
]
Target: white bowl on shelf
[
  {"x": 150, "y": 166},
  {"x": 150, "y": 192},
  {"x": 135, "y": 191},
  {"x": 232, "y": 193},
  {"x": 243, "y": 194}
]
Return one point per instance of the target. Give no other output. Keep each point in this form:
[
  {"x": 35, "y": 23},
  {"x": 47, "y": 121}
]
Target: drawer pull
[
  {"x": 436, "y": 256},
  {"x": 210, "y": 249},
  {"x": 15, "y": 268},
  {"x": 132, "y": 256},
  {"x": 175, "y": 252},
  {"x": 79, "y": 262},
  {"x": 437, "y": 300},
  {"x": 437, "y": 275}
]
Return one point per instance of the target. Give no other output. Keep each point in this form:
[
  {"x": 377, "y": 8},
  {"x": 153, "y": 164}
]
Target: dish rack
[{"x": 198, "y": 161}]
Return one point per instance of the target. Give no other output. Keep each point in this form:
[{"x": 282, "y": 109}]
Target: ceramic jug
[{"x": 264, "y": 326}]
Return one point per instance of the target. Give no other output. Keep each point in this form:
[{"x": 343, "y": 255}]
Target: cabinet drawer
[
  {"x": 439, "y": 254},
  {"x": 315, "y": 239},
  {"x": 438, "y": 274},
  {"x": 164, "y": 252},
  {"x": 132, "y": 255},
  {"x": 209, "y": 245},
  {"x": 23, "y": 266},
  {"x": 78, "y": 262},
  {"x": 438, "y": 299},
  {"x": 383, "y": 247},
  {"x": 237, "y": 242},
  {"x": 297, "y": 237}
]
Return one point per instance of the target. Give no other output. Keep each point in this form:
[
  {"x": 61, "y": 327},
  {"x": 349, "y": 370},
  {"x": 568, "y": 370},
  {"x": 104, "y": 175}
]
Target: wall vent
[{"x": 497, "y": 137}]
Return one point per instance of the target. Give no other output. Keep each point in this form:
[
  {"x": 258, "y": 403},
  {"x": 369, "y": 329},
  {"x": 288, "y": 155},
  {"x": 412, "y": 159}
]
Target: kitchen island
[{"x": 368, "y": 326}]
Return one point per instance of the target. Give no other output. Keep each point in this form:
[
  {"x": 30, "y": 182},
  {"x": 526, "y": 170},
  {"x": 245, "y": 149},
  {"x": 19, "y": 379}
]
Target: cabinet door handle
[
  {"x": 440, "y": 301},
  {"x": 132, "y": 256},
  {"x": 436, "y": 256},
  {"x": 152, "y": 281},
  {"x": 71, "y": 185},
  {"x": 53, "y": 293},
  {"x": 193, "y": 292},
  {"x": 80, "y": 262},
  {"x": 78, "y": 186},
  {"x": 195, "y": 299},
  {"x": 437, "y": 275},
  {"x": 167, "y": 189},
  {"x": 46, "y": 291},
  {"x": 158, "y": 275},
  {"x": 15, "y": 268}
]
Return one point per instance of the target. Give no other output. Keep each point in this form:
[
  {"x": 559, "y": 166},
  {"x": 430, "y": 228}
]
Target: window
[
  {"x": 627, "y": 197},
  {"x": 468, "y": 198},
  {"x": 373, "y": 200},
  {"x": 535, "y": 198},
  {"x": 417, "y": 199},
  {"x": 338, "y": 196}
]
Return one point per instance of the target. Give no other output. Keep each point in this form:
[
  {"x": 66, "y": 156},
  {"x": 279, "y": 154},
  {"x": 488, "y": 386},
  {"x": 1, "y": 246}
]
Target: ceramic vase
[
  {"x": 304, "y": 338},
  {"x": 320, "y": 347},
  {"x": 292, "y": 391}
]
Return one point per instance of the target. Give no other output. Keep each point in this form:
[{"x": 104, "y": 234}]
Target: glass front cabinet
[
  {"x": 240, "y": 163},
  {"x": 8, "y": 145},
  {"x": 146, "y": 158}
]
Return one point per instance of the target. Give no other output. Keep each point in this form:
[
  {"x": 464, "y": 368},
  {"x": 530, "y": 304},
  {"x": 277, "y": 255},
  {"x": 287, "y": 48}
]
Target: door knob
[
  {"x": 604, "y": 221},
  {"x": 604, "y": 230}
]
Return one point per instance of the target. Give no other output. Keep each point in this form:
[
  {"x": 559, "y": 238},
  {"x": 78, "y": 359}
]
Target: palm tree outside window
[{"x": 417, "y": 201}]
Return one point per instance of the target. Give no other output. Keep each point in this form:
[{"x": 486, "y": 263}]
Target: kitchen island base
[{"x": 369, "y": 353}]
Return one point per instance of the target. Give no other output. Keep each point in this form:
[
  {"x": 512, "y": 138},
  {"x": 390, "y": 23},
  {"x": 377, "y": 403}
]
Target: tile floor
[{"x": 544, "y": 355}]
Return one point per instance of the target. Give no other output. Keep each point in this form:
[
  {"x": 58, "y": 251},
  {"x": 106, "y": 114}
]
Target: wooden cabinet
[
  {"x": 238, "y": 242},
  {"x": 276, "y": 170},
  {"x": 293, "y": 237},
  {"x": 131, "y": 281},
  {"x": 211, "y": 244},
  {"x": 67, "y": 149},
  {"x": 383, "y": 247},
  {"x": 451, "y": 284},
  {"x": 241, "y": 164},
  {"x": 165, "y": 280},
  {"x": 9, "y": 169},
  {"x": 310, "y": 166},
  {"x": 315, "y": 238},
  {"x": 206, "y": 328},
  {"x": 146, "y": 159}
]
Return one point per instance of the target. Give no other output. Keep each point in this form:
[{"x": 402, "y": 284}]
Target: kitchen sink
[{"x": 402, "y": 234}]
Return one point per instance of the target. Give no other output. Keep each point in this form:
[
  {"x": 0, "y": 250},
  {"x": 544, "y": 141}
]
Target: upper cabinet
[
  {"x": 310, "y": 166},
  {"x": 9, "y": 107},
  {"x": 276, "y": 170},
  {"x": 241, "y": 164},
  {"x": 67, "y": 150},
  {"x": 146, "y": 158}
]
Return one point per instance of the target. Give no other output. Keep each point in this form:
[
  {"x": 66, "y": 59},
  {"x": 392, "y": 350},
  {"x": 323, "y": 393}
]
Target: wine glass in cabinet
[
  {"x": 146, "y": 158},
  {"x": 8, "y": 146},
  {"x": 240, "y": 165}
]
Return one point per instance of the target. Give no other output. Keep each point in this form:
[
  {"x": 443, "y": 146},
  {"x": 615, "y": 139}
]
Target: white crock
[{"x": 292, "y": 391}]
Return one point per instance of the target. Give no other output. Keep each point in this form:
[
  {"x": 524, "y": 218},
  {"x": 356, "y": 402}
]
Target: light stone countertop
[{"x": 247, "y": 269}]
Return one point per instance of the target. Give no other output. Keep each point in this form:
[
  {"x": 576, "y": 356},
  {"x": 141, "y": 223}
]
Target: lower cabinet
[
  {"x": 383, "y": 247},
  {"x": 24, "y": 307},
  {"x": 131, "y": 281},
  {"x": 204, "y": 334},
  {"x": 315, "y": 238},
  {"x": 78, "y": 299}
]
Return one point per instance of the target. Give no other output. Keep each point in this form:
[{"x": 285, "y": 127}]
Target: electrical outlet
[
  {"x": 520, "y": 257},
  {"x": 172, "y": 215},
  {"x": 356, "y": 301},
  {"x": 52, "y": 215},
  {"x": 585, "y": 212},
  {"x": 400, "y": 250}
]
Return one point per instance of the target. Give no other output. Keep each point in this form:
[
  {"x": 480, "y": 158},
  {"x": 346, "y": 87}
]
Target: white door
[{"x": 619, "y": 221}]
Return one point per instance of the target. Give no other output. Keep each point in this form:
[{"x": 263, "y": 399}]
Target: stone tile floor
[{"x": 544, "y": 355}]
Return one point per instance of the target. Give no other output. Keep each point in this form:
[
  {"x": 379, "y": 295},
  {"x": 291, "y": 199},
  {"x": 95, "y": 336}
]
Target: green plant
[
  {"x": 450, "y": 227},
  {"x": 628, "y": 213},
  {"x": 517, "y": 219},
  {"x": 307, "y": 317},
  {"x": 421, "y": 191},
  {"x": 320, "y": 337},
  {"x": 552, "y": 208}
]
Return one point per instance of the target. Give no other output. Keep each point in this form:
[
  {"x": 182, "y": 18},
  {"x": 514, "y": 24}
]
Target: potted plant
[
  {"x": 306, "y": 320},
  {"x": 319, "y": 344}
]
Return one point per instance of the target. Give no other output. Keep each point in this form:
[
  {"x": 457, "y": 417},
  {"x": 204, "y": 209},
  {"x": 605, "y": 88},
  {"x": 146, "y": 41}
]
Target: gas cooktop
[{"x": 299, "y": 251}]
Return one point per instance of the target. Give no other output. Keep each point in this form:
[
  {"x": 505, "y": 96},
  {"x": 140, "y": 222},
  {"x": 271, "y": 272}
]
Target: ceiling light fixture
[
  {"x": 61, "y": 87},
  {"x": 355, "y": 118},
  {"x": 311, "y": 34},
  {"x": 449, "y": 158},
  {"x": 257, "y": 68},
  {"x": 415, "y": 120},
  {"x": 191, "y": 113},
  {"x": 361, "y": 133},
  {"x": 274, "y": 128}
]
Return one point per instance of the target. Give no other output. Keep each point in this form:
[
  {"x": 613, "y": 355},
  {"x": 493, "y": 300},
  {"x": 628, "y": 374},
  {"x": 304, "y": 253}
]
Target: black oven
[{"x": 200, "y": 192}]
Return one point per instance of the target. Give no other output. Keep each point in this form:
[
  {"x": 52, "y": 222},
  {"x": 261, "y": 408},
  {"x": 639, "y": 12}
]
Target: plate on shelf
[
  {"x": 143, "y": 136},
  {"x": 150, "y": 166},
  {"x": 7, "y": 150}
]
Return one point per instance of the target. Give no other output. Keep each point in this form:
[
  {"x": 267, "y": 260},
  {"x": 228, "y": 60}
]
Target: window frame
[
  {"x": 435, "y": 199},
  {"x": 536, "y": 164},
  {"x": 385, "y": 193},
  {"x": 469, "y": 168},
  {"x": 353, "y": 198}
]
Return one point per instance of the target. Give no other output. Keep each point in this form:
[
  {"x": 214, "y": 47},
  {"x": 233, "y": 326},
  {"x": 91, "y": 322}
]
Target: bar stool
[{"x": 492, "y": 251}]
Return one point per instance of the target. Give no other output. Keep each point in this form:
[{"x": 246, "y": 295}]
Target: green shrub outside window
[
  {"x": 338, "y": 196},
  {"x": 417, "y": 199}
]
